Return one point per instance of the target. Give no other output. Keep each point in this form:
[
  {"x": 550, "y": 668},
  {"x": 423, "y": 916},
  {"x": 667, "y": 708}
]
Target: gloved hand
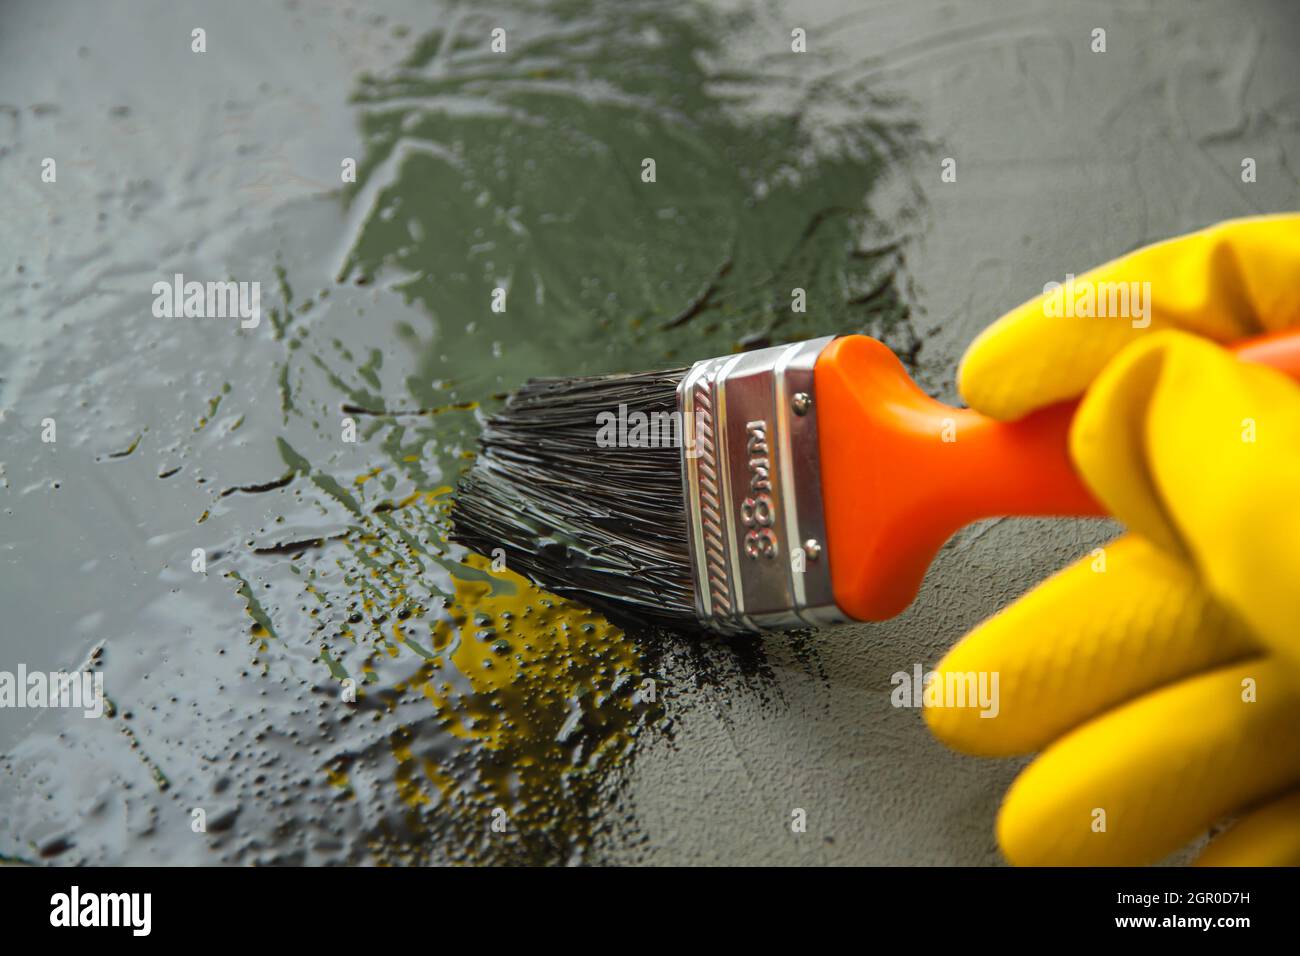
[{"x": 1159, "y": 678}]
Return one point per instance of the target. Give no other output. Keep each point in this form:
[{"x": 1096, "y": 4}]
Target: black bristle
[{"x": 603, "y": 525}]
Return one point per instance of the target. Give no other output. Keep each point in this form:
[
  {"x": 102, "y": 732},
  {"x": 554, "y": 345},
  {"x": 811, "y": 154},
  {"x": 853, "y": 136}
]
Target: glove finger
[
  {"x": 1157, "y": 771},
  {"x": 1268, "y": 836},
  {"x": 1234, "y": 279},
  {"x": 1200, "y": 454},
  {"x": 1104, "y": 630}
]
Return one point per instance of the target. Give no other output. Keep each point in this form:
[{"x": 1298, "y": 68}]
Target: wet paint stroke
[
  {"x": 479, "y": 176},
  {"x": 378, "y": 694}
]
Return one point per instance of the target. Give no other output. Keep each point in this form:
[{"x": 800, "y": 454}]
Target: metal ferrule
[{"x": 751, "y": 473}]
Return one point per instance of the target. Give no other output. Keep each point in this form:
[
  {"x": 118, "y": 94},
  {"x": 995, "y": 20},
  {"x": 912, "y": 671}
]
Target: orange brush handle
[{"x": 902, "y": 472}]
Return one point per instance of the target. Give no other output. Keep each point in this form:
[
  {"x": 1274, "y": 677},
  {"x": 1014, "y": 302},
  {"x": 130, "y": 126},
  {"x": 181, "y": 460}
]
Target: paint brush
[{"x": 795, "y": 486}]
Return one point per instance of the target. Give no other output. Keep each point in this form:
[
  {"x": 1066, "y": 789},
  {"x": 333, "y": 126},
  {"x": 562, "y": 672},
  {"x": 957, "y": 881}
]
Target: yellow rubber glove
[{"x": 1161, "y": 677}]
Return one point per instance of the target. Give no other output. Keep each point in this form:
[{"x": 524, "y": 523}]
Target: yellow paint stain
[
  {"x": 338, "y": 777},
  {"x": 529, "y": 697},
  {"x": 543, "y": 672},
  {"x": 541, "y": 704}
]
